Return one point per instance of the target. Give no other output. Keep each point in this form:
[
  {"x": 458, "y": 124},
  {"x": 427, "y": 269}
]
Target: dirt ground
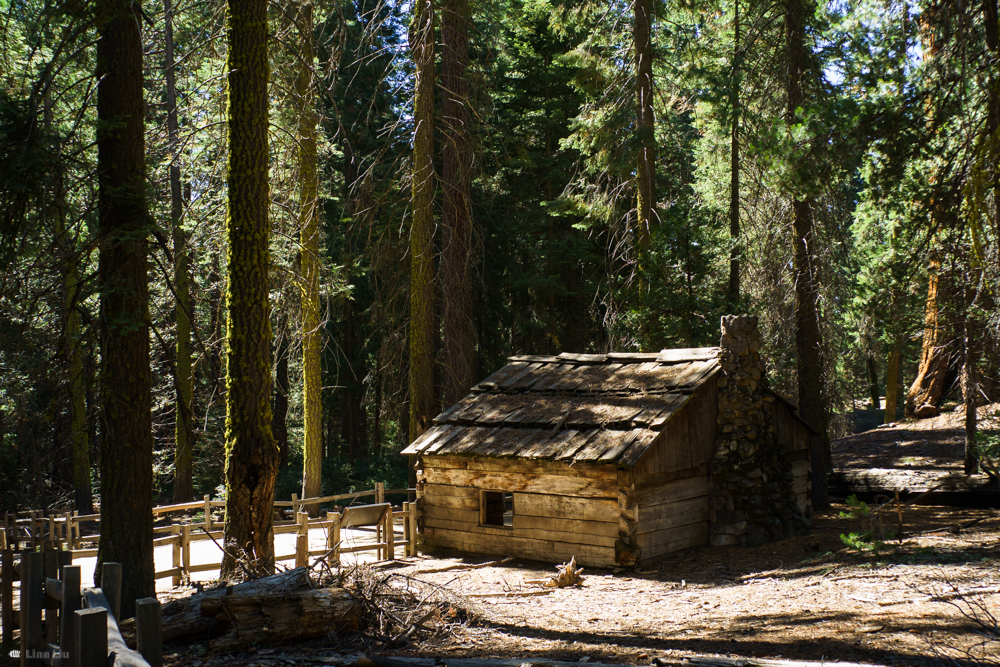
[
  {"x": 915, "y": 601},
  {"x": 806, "y": 598}
]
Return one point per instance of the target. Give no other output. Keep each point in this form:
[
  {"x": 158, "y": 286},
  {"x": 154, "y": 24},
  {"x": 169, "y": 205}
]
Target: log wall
[
  {"x": 560, "y": 510},
  {"x": 673, "y": 515}
]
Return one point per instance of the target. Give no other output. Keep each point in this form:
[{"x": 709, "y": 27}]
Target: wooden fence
[
  {"x": 62, "y": 624},
  {"x": 66, "y": 531}
]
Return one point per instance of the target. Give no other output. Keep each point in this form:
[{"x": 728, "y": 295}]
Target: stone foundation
[{"x": 752, "y": 501}]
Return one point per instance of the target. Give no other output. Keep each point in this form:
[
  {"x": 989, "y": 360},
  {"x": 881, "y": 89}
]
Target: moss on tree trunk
[{"x": 251, "y": 453}]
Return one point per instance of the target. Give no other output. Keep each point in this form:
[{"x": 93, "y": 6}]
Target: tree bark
[
  {"x": 184, "y": 422},
  {"x": 808, "y": 338},
  {"x": 892, "y": 384},
  {"x": 251, "y": 454},
  {"x": 126, "y": 423},
  {"x": 733, "y": 294},
  {"x": 279, "y": 421},
  {"x": 312, "y": 369},
  {"x": 422, "y": 399},
  {"x": 456, "y": 253},
  {"x": 874, "y": 396},
  {"x": 71, "y": 343},
  {"x": 353, "y": 417},
  {"x": 645, "y": 174},
  {"x": 970, "y": 384},
  {"x": 925, "y": 392}
]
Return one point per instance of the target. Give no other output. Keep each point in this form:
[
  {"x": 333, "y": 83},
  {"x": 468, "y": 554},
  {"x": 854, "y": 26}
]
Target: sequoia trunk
[
  {"x": 422, "y": 403},
  {"x": 456, "y": 259},
  {"x": 126, "y": 424}
]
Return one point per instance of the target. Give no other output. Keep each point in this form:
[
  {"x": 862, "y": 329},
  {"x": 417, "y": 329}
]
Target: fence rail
[
  {"x": 63, "y": 624},
  {"x": 60, "y": 538},
  {"x": 34, "y": 529}
]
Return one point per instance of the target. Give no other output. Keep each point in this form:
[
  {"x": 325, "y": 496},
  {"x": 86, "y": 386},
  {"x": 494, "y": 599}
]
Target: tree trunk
[
  {"x": 354, "y": 420},
  {"x": 422, "y": 399},
  {"x": 925, "y": 392},
  {"x": 312, "y": 368},
  {"x": 251, "y": 455},
  {"x": 892, "y": 384},
  {"x": 970, "y": 384},
  {"x": 733, "y": 294},
  {"x": 874, "y": 395},
  {"x": 184, "y": 422},
  {"x": 808, "y": 339},
  {"x": 126, "y": 423},
  {"x": 645, "y": 174},
  {"x": 71, "y": 343},
  {"x": 456, "y": 253},
  {"x": 279, "y": 421}
]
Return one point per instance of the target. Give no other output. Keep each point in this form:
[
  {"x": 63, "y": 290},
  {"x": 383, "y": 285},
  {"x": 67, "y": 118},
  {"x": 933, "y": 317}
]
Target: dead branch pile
[{"x": 398, "y": 608}]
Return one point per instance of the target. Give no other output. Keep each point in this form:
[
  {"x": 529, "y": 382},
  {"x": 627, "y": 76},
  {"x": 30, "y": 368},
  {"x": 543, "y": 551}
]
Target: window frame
[{"x": 483, "y": 516}]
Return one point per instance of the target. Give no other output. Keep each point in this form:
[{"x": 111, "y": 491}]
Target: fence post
[
  {"x": 111, "y": 584},
  {"x": 414, "y": 530},
  {"x": 7, "y": 596},
  {"x": 32, "y": 596},
  {"x": 379, "y": 492},
  {"x": 70, "y": 605},
  {"x": 334, "y": 539},
  {"x": 390, "y": 536},
  {"x": 149, "y": 631},
  {"x": 295, "y": 505},
  {"x": 91, "y": 629},
  {"x": 208, "y": 513},
  {"x": 51, "y": 558},
  {"x": 175, "y": 555},
  {"x": 302, "y": 540},
  {"x": 186, "y": 550},
  {"x": 406, "y": 530}
]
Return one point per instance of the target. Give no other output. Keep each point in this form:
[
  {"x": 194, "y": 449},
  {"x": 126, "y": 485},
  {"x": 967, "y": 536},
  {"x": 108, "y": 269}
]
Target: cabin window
[{"x": 497, "y": 508}]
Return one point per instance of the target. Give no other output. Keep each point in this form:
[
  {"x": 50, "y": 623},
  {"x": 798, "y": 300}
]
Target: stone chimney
[{"x": 752, "y": 501}]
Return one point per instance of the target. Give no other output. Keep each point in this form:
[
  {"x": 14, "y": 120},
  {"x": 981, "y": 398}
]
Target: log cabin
[{"x": 617, "y": 458}]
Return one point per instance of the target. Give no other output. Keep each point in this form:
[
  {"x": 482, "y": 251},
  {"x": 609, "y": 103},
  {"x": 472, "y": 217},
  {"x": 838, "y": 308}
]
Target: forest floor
[{"x": 914, "y": 601}]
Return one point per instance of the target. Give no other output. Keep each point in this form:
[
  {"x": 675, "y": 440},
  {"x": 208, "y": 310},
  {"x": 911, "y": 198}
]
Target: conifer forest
[{"x": 252, "y": 248}]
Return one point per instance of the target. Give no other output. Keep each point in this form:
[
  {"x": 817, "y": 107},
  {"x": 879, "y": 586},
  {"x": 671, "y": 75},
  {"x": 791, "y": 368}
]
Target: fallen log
[
  {"x": 278, "y": 609},
  {"x": 183, "y": 621},
  {"x": 280, "y": 617}
]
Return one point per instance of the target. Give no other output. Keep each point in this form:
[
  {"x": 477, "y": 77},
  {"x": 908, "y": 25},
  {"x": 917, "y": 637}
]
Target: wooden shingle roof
[{"x": 606, "y": 408}]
